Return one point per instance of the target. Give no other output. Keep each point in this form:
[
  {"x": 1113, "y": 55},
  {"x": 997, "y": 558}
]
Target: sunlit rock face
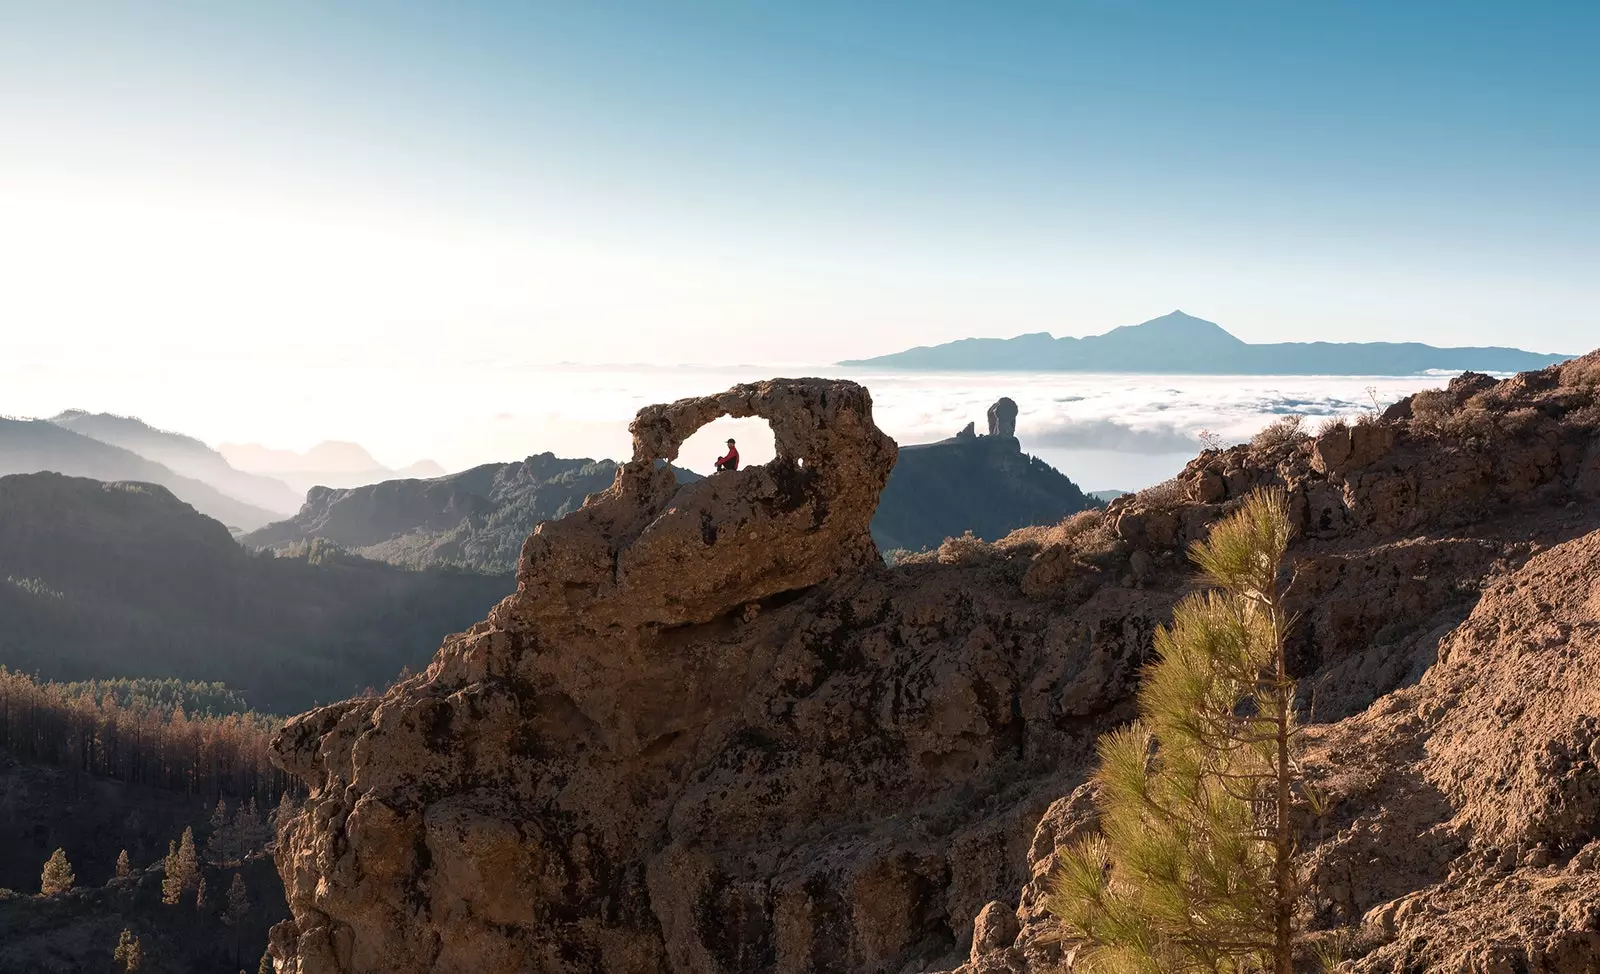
[{"x": 711, "y": 732}]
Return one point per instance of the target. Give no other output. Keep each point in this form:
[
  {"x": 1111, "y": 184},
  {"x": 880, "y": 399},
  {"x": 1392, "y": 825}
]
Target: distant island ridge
[{"x": 1182, "y": 343}]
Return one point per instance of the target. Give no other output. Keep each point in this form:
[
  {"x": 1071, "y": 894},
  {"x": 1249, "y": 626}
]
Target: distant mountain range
[
  {"x": 479, "y": 518},
  {"x": 245, "y": 486},
  {"x": 183, "y": 455},
  {"x": 1182, "y": 343},
  {"x": 31, "y": 446},
  {"x": 332, "y": 463}
]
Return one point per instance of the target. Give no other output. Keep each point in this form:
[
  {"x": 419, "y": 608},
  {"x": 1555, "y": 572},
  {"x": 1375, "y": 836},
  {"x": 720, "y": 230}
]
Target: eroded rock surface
[
  {"x": 711, "y": 732},
  {"x": 1003, "y": 417}
]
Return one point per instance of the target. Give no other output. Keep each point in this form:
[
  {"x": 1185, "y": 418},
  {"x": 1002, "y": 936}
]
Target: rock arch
[{"x": 664, "y": 553}]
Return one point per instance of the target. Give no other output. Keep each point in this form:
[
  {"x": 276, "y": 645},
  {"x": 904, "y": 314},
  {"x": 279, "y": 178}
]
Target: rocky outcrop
[
  {"x": 479, "y": 518},
  {"x": 1448, "y": 587},
  {"x": 1003, "y": 417},
  {"x": 711, "y": 732},
  {"x": 984, "y": 485}
]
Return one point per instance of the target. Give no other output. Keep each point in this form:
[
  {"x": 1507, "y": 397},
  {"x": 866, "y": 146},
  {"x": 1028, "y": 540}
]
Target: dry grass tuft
[
  {"x": 1281, "y": 432},
  {"x": 1169, "y": 495},
  {"x": 1088, "y": 534},
  {"x": 1520, "y": 422},
  {"x": 1587, "y": 417},
  {"x": 1430, "y": 406},
  {"x": 969, "y": 549}
]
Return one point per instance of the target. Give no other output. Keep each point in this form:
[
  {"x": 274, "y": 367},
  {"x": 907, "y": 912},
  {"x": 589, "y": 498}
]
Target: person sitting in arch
[{"x": 729, "y": 461}]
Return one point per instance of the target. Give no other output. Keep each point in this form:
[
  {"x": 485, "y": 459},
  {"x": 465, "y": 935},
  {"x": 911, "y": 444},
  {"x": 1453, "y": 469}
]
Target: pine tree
[
  {"x": 181, "y": 867},
  {"x": 171, "y": 882},
  {"x": 284, "y": 812},
  {"x": 220, "y": 845},
  {"x": 238, "y": 902},
  {"x": 237, "y": 910},
  {"x": 57, "y": 875},
  {"x": 200, "y": 894},
  {"x": 1192, "y": 870},
  {"x": 128, "y": 953},
  {"x": 266, "y": 966},
  {"x": 249, "y": 828},
  {"x": 124, "y": 867},
  {"x": 188, "y": 859}
]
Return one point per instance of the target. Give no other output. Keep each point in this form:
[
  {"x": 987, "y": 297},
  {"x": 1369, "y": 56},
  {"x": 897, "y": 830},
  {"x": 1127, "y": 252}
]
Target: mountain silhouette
[
  {"x": 33, "y": 446},
  {"x": 331, "y": 463},
  {"x": 183, "y": 455},
  {"x": 1182, "y": 343}
]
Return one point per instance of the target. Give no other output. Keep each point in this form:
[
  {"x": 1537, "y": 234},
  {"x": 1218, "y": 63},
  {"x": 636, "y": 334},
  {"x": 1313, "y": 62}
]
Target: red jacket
[{"x": 731, "y": 461}]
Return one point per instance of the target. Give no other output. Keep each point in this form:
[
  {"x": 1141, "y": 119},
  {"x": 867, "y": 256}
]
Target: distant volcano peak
[{"x": 1178, "y": 342}]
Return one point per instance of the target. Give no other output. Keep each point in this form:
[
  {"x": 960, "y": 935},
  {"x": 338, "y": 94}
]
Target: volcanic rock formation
[
  {"x": 711, "y": 732},
  {"x": 984, "y": 485},
  {"x": 1003, "y": 417}
]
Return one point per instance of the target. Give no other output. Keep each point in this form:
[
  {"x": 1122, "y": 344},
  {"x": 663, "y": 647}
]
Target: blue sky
[{"x": 742, "y": 182}]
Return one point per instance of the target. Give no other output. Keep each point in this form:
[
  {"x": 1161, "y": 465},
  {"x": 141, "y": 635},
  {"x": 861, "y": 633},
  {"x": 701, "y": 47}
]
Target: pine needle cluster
[{"x": 1192, "y": 869}]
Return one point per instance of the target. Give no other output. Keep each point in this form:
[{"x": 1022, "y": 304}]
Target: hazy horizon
[
  {"x": 1105, "y": 431},
  {"x": 384, "y": 222},
  {"x": 284, "y": 186}
]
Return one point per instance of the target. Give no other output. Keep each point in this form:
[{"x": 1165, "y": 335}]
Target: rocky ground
[{"x": 712, "y": 732}]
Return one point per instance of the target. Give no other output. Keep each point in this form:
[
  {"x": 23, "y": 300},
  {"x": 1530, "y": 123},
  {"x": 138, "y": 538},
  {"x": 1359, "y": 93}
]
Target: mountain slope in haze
[
  {"x": 183, "y": 455},
  {"x": 476, "y": 519},
  {"x": 479, "y": 518},
  {"x": 1181, "y": 343},
  {"x": 123, "y": 580},
  {"x": 31, "y": 446},
  {"x": 331, "y": 463}
]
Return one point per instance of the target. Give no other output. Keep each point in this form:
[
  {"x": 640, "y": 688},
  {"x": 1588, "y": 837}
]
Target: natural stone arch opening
[{"x": 757, "y": 444}]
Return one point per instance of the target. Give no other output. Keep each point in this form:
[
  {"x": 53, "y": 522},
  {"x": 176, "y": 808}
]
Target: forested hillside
[
  {"x": 102, "y": 779},
  {"x": 475, "y": 519},
  {"x": 123, "y": 580}
]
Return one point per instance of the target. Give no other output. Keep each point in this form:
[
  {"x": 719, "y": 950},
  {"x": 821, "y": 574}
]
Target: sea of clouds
[{"x": 1105, "y": 431}]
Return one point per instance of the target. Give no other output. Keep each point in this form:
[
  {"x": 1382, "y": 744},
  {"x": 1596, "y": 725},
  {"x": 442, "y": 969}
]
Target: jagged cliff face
[{"x": 711, "y": 732}]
